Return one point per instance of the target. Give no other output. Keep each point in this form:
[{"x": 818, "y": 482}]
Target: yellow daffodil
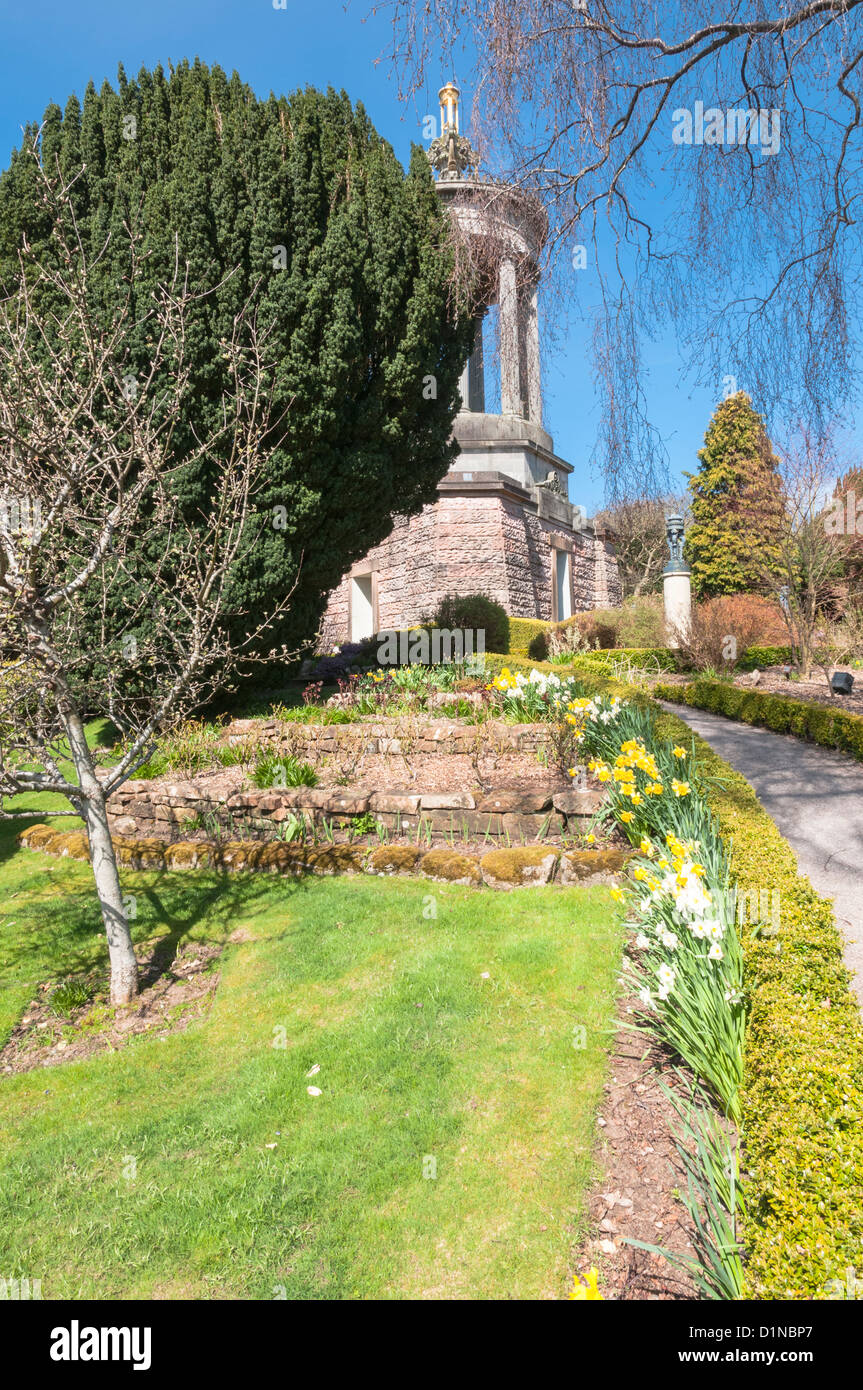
[
  {"x": 618, "y": 895},
  {"x": 591, "y": 839},
  {"x": 626, "y": 816},
  {"x": 589, "y": 1289},
  {"x": 679, "y": 752}
]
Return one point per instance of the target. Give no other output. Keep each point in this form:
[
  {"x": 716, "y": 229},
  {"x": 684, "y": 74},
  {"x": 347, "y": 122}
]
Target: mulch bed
[
  {"x": 641, "y": 1168},
  {"x": 771, "y": 681},
  {"x": 173, "y": 993}
]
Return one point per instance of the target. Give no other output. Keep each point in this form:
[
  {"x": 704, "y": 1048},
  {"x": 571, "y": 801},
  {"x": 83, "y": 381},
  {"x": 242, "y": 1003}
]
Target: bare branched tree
[
  {"x": 636, "y": 527},
  {"x": 805, "y": 572},
  {"x": 90, "y": 470},
  {"x": 708, "y": 155}
]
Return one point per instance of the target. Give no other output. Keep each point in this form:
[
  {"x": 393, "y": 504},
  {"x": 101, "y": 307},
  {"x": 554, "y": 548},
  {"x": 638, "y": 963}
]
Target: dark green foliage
[
  {"x": 737, "y": 508},
  {"x": 524, "y": 633},
  {"x": 283, "y": 770},
  {"x": 70, "y": 995},
  {"x": 361, "y": 316},
  {"x": 476, "y": 612}
]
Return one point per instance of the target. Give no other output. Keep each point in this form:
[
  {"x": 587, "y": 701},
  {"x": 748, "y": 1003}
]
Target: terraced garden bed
[{"x": 377, "y": 781}]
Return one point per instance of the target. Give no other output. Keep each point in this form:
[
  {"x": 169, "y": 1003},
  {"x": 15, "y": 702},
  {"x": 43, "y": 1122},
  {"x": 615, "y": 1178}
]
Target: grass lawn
[{"x": 420, "y": 1058}]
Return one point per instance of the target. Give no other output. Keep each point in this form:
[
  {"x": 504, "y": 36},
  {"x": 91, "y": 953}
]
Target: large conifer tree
[
  {"x": 737, "y": 506},
  {"x": 297, "y": 204}
]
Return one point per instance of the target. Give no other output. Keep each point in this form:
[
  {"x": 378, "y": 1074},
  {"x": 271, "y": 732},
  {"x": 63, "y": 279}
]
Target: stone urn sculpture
[{"x": 676, "y": 584}]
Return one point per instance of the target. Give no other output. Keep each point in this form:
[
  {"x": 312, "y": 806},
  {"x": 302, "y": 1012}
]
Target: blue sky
[{"x": 53, "y": 49}]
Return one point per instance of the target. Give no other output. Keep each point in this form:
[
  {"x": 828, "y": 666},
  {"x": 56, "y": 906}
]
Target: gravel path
[{"x": 816, "y": 799}]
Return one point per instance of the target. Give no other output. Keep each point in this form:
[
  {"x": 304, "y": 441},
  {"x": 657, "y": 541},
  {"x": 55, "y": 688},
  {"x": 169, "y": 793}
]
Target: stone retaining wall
[
  {"x": 141, "y": 807},
  {"x": 396, "y": 735},
  {"x": 501, "y": 868}
]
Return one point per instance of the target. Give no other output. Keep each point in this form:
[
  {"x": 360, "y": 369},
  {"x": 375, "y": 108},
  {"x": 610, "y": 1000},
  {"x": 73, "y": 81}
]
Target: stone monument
[
  {"x": 502, "y": 524},
  {"x": 676, "y": 584}
]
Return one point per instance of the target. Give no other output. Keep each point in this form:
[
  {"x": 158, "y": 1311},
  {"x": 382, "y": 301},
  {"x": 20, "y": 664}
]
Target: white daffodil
[
  {"x": 715, "y": 952},
  {"x": 642, "y": 942},
  {"x": 666, "y": 977},
  {"x": 669, "y": 940},
  {"x": 645, "y": 997}
]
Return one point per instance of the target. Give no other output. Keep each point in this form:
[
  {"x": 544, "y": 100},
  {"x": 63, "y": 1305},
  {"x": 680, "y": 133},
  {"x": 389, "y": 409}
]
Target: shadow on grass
[
  {"x": 217, "y": 901},
  {"x": 64, "y": 934}
]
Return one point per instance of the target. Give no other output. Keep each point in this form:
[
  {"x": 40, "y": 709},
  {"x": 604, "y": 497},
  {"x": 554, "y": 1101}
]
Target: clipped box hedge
[
  {"x": 822, "y": 724},
  {"x": 763, "y": 657},
  {"x": 603, "y": 658},
  {"x": 802, "y": 1130},
  {"x": 522, "y": 632}
]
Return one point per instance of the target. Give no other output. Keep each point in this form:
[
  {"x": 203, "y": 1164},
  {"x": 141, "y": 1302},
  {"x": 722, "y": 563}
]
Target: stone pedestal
[{"x": 677, "y": 593}]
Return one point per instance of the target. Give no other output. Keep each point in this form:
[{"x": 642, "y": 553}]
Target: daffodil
[{"x": 589, "y": 1289}]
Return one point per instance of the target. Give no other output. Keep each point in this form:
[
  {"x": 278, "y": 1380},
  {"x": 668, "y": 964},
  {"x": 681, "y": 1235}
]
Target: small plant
[
  {"x": 283, "y": 770},
  {"x": 68, "y": 996},
  {"x": 366, "y": 824},
  {"x": 292, "y": 830},
  {"x": 237, "y": 754},
  {"x": 563, "y": 745}
]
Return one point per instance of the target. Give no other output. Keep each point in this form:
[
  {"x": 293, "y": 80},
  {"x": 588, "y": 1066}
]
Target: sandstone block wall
[{"x": 482, "y": 543}]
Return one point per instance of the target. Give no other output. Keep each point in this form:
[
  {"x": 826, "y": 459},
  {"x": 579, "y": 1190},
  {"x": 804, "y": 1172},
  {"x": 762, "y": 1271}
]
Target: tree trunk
[{"x": 124, "y": 967}]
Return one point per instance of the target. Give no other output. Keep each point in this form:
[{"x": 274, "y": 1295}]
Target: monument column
[
  {"x": 477, "y": 370},
  {"x": 531, "y": 333},
  {"x": 510, "y": 393},
  {"x": 471, "y": 384}
]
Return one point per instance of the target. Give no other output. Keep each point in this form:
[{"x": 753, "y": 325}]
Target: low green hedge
[
  {"x": 832, "y": 728},
  {"x": 522, "y": 632},
  {"x": 763, "y": 657},
  {"x": 602, "y": 659},
  {"x": 802, "y": 1130}
]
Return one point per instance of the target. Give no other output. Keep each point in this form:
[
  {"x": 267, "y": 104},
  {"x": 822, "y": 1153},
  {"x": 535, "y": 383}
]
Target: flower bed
[{"x": 800, "y": 1096}]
